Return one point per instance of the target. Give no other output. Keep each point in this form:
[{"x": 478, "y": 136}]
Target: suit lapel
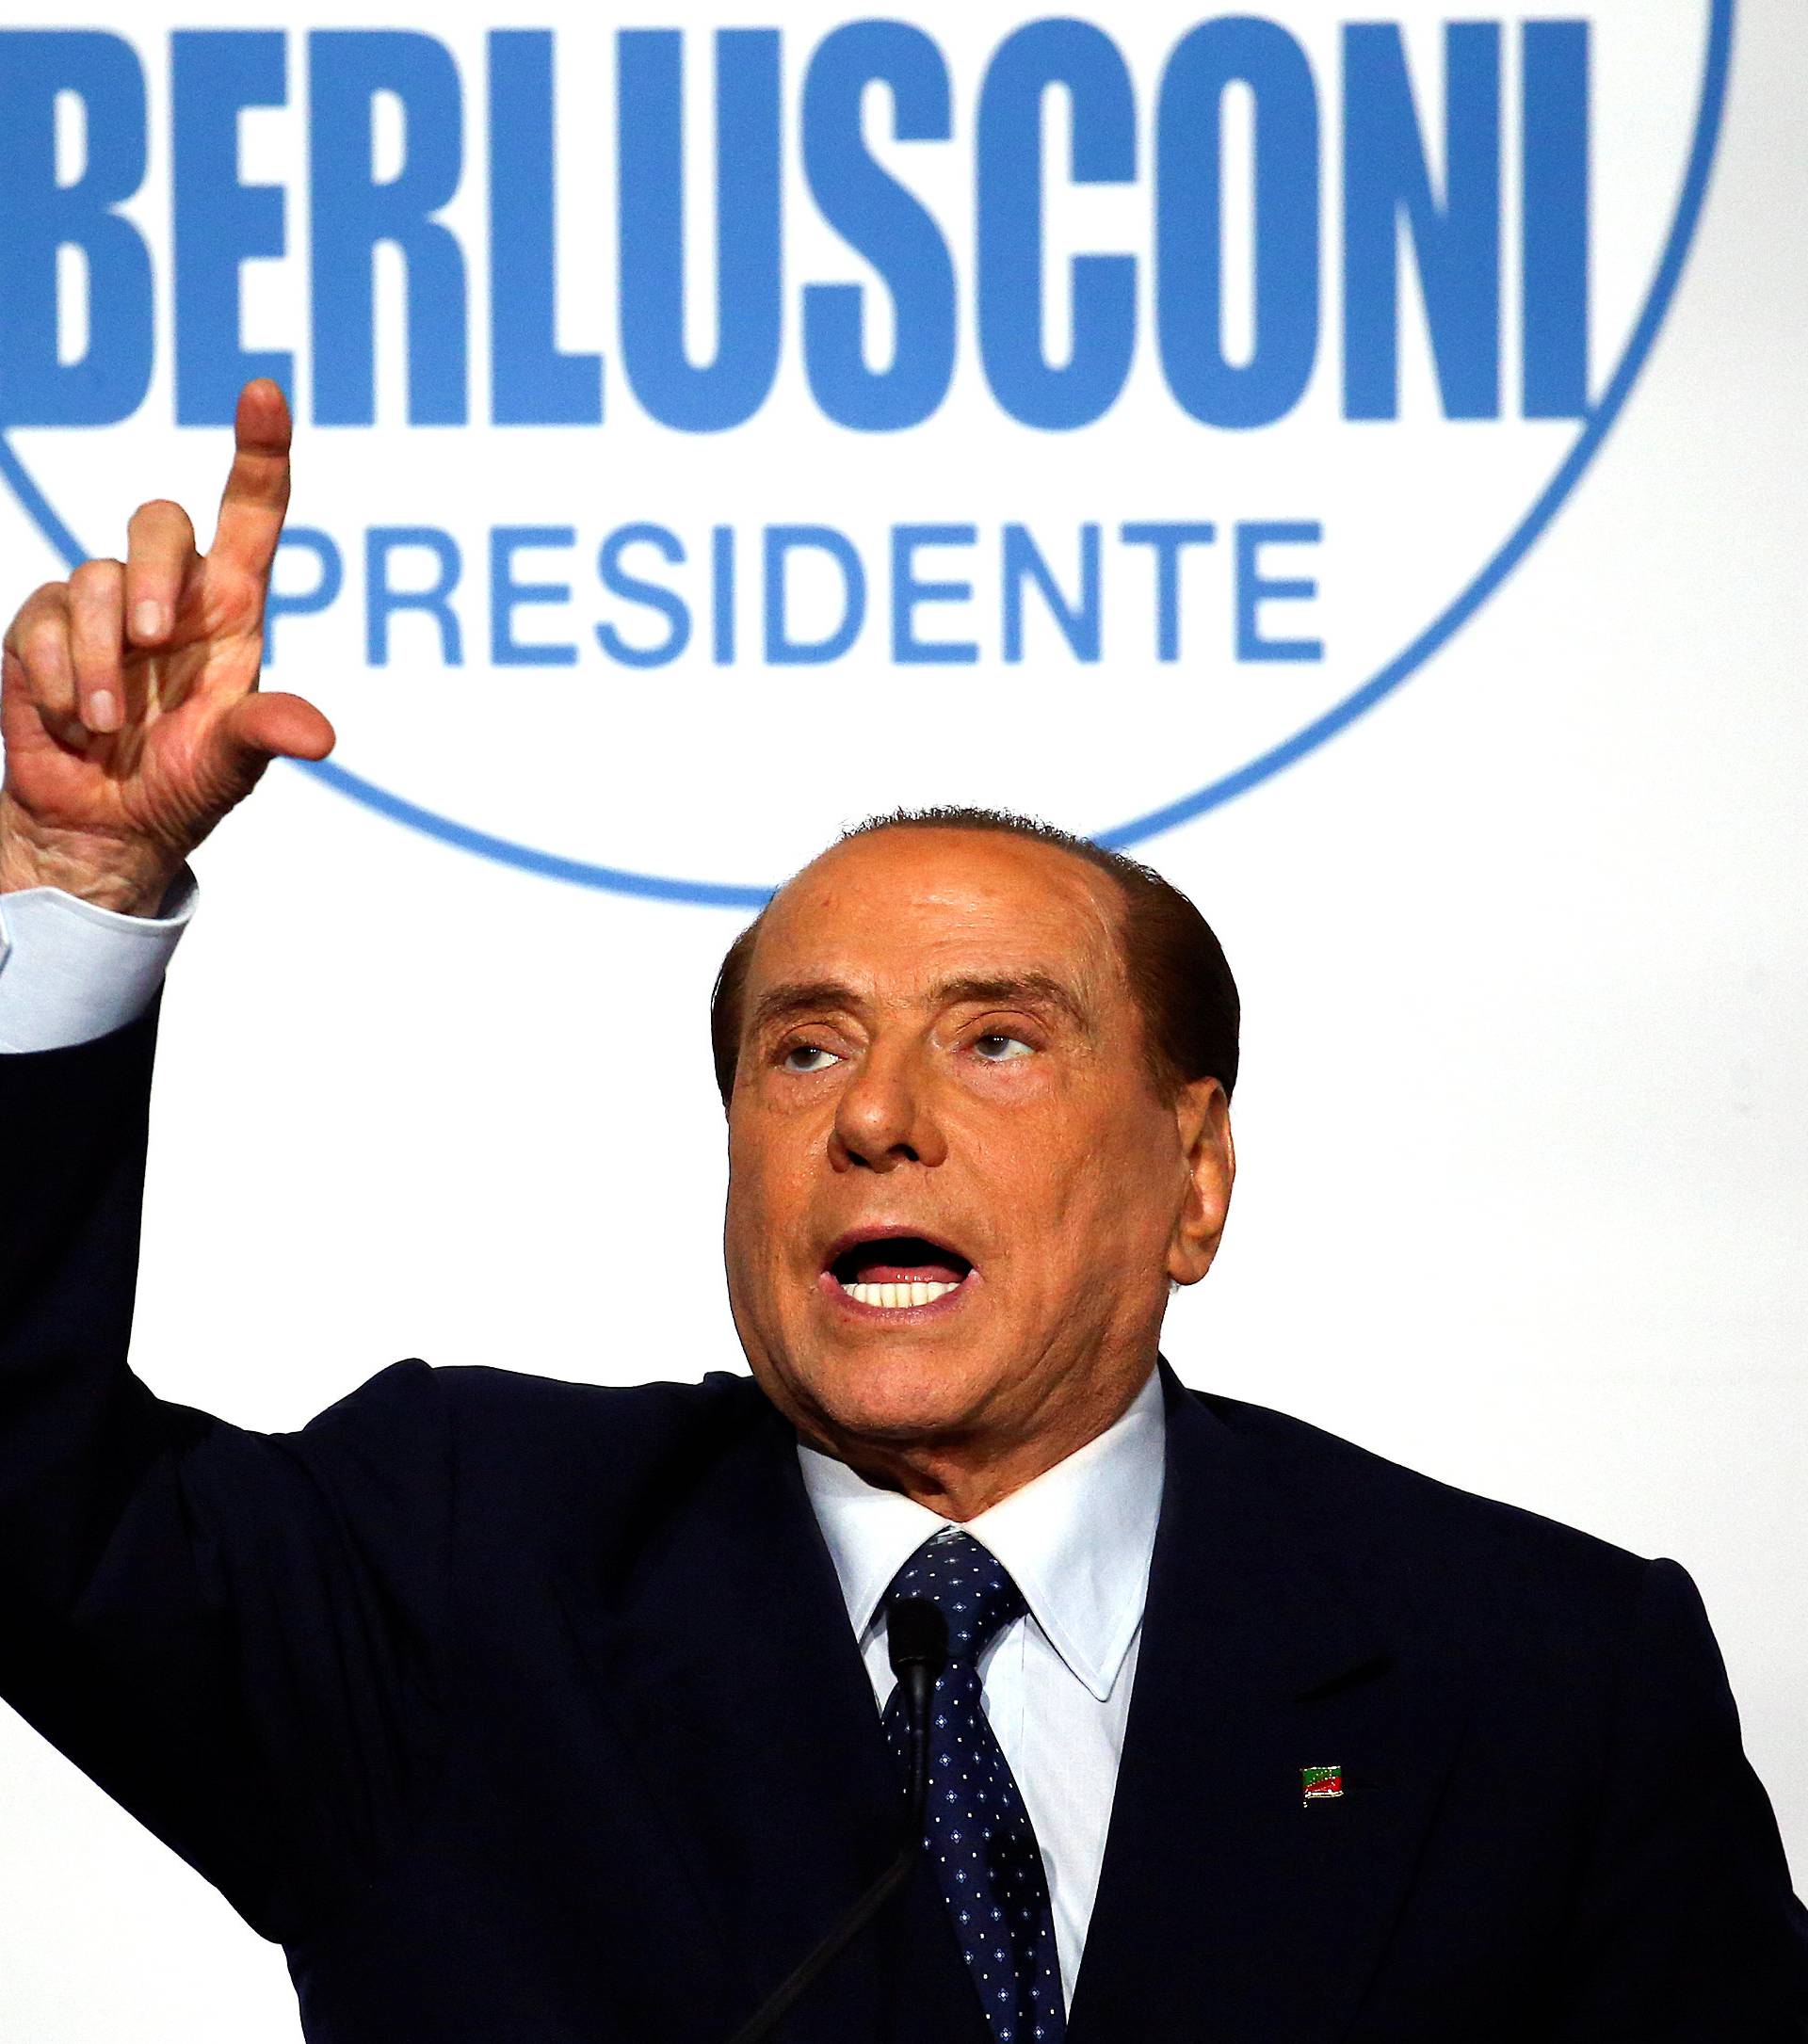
[
  {"x": 723, "y": 1645},
  {"x": 1228, "y": 1910}
]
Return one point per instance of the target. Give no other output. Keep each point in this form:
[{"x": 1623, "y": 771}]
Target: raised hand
[{"x": 129, "y": 703}]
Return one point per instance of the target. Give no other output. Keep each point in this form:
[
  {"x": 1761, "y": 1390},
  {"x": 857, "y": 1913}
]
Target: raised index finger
[{"x": 257, "y": 487}]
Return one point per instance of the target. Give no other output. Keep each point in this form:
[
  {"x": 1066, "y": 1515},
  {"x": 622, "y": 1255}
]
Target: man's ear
[{"x": 1202, "y": 1114}]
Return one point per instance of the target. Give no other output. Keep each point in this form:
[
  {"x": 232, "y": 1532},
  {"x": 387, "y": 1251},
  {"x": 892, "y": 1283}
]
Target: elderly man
[{"x": 527, "y": 1711}]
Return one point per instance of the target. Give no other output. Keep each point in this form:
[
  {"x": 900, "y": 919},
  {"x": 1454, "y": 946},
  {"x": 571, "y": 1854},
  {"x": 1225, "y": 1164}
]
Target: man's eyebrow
[
  {"x": 1018, "y": 989},
  {"x": 798, "y": 997},
  {"x": 794, "y": 997}
]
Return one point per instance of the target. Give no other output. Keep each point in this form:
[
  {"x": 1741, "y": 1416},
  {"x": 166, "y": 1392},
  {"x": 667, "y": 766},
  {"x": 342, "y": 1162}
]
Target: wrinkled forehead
[{"x": 904, "y": 910}]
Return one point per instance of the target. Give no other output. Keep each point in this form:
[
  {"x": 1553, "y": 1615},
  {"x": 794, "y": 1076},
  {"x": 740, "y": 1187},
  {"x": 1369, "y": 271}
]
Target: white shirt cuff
[{"x": 70, "y": 972}]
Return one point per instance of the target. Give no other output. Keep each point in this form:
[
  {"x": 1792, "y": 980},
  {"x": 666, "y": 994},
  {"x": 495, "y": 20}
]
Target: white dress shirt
[
  {"x": 1055, "y": 1684},
  {"x": 1077, "y": 1541},
  {"x": 70, "y": 972}
]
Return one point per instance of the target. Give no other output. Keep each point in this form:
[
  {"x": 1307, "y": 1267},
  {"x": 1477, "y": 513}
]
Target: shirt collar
[{"x": 1077, "y": 1539}]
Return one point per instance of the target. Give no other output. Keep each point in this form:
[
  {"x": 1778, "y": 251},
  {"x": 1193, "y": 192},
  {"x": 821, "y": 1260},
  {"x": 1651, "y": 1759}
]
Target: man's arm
[
  {"x": 1687, "y": 1931},
  {"x": 238, "y": 1637}
]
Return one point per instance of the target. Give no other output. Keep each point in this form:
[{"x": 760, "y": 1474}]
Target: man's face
[{"x": 956, "y": 1195}]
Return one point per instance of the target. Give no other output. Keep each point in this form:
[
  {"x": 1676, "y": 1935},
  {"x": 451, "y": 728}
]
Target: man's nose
[{"x": 885, "y": 1117}]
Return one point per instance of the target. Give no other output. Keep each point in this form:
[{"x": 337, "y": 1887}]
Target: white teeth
[{"x": 894, "y": 1296}]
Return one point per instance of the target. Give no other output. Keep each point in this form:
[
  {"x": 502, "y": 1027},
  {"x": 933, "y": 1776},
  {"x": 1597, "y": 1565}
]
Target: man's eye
[
  {"x": 999, "y": 1049},
  {"x": 807, "y": 1057}
]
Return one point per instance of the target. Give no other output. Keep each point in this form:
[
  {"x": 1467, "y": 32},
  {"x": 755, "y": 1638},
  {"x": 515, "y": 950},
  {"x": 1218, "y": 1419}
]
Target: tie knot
[{"x": 971, "y": 1587}]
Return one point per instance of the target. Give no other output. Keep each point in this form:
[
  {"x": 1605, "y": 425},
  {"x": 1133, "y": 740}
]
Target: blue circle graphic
[{"x": 1519, "y": 542}]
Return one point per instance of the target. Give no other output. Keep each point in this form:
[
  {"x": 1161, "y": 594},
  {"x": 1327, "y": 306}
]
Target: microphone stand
[{"x": 917, "y": 1639}]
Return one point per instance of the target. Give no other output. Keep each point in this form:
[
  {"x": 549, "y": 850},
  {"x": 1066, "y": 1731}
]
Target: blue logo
[{"x": 1018, "y": 308}]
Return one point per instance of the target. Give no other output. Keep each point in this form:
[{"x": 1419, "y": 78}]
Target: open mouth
[{"x": 897, "y": 1273}]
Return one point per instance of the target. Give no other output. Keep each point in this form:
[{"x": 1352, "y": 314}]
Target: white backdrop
[{"x": 1523, "y": 1126}]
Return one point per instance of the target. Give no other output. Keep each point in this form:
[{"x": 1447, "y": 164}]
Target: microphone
[{"x": 917, "y": 1640}]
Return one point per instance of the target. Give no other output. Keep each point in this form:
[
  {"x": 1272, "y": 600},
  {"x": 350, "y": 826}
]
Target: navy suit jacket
[{"x": 524, "y": 1711}]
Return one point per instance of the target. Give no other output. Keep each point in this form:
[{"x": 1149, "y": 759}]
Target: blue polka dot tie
[{"x": 976, "y": 1829}]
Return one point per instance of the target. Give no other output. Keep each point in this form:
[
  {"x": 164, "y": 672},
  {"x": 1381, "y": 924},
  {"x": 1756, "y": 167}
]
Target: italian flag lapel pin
[{"x": 1320, "y": 1784}]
